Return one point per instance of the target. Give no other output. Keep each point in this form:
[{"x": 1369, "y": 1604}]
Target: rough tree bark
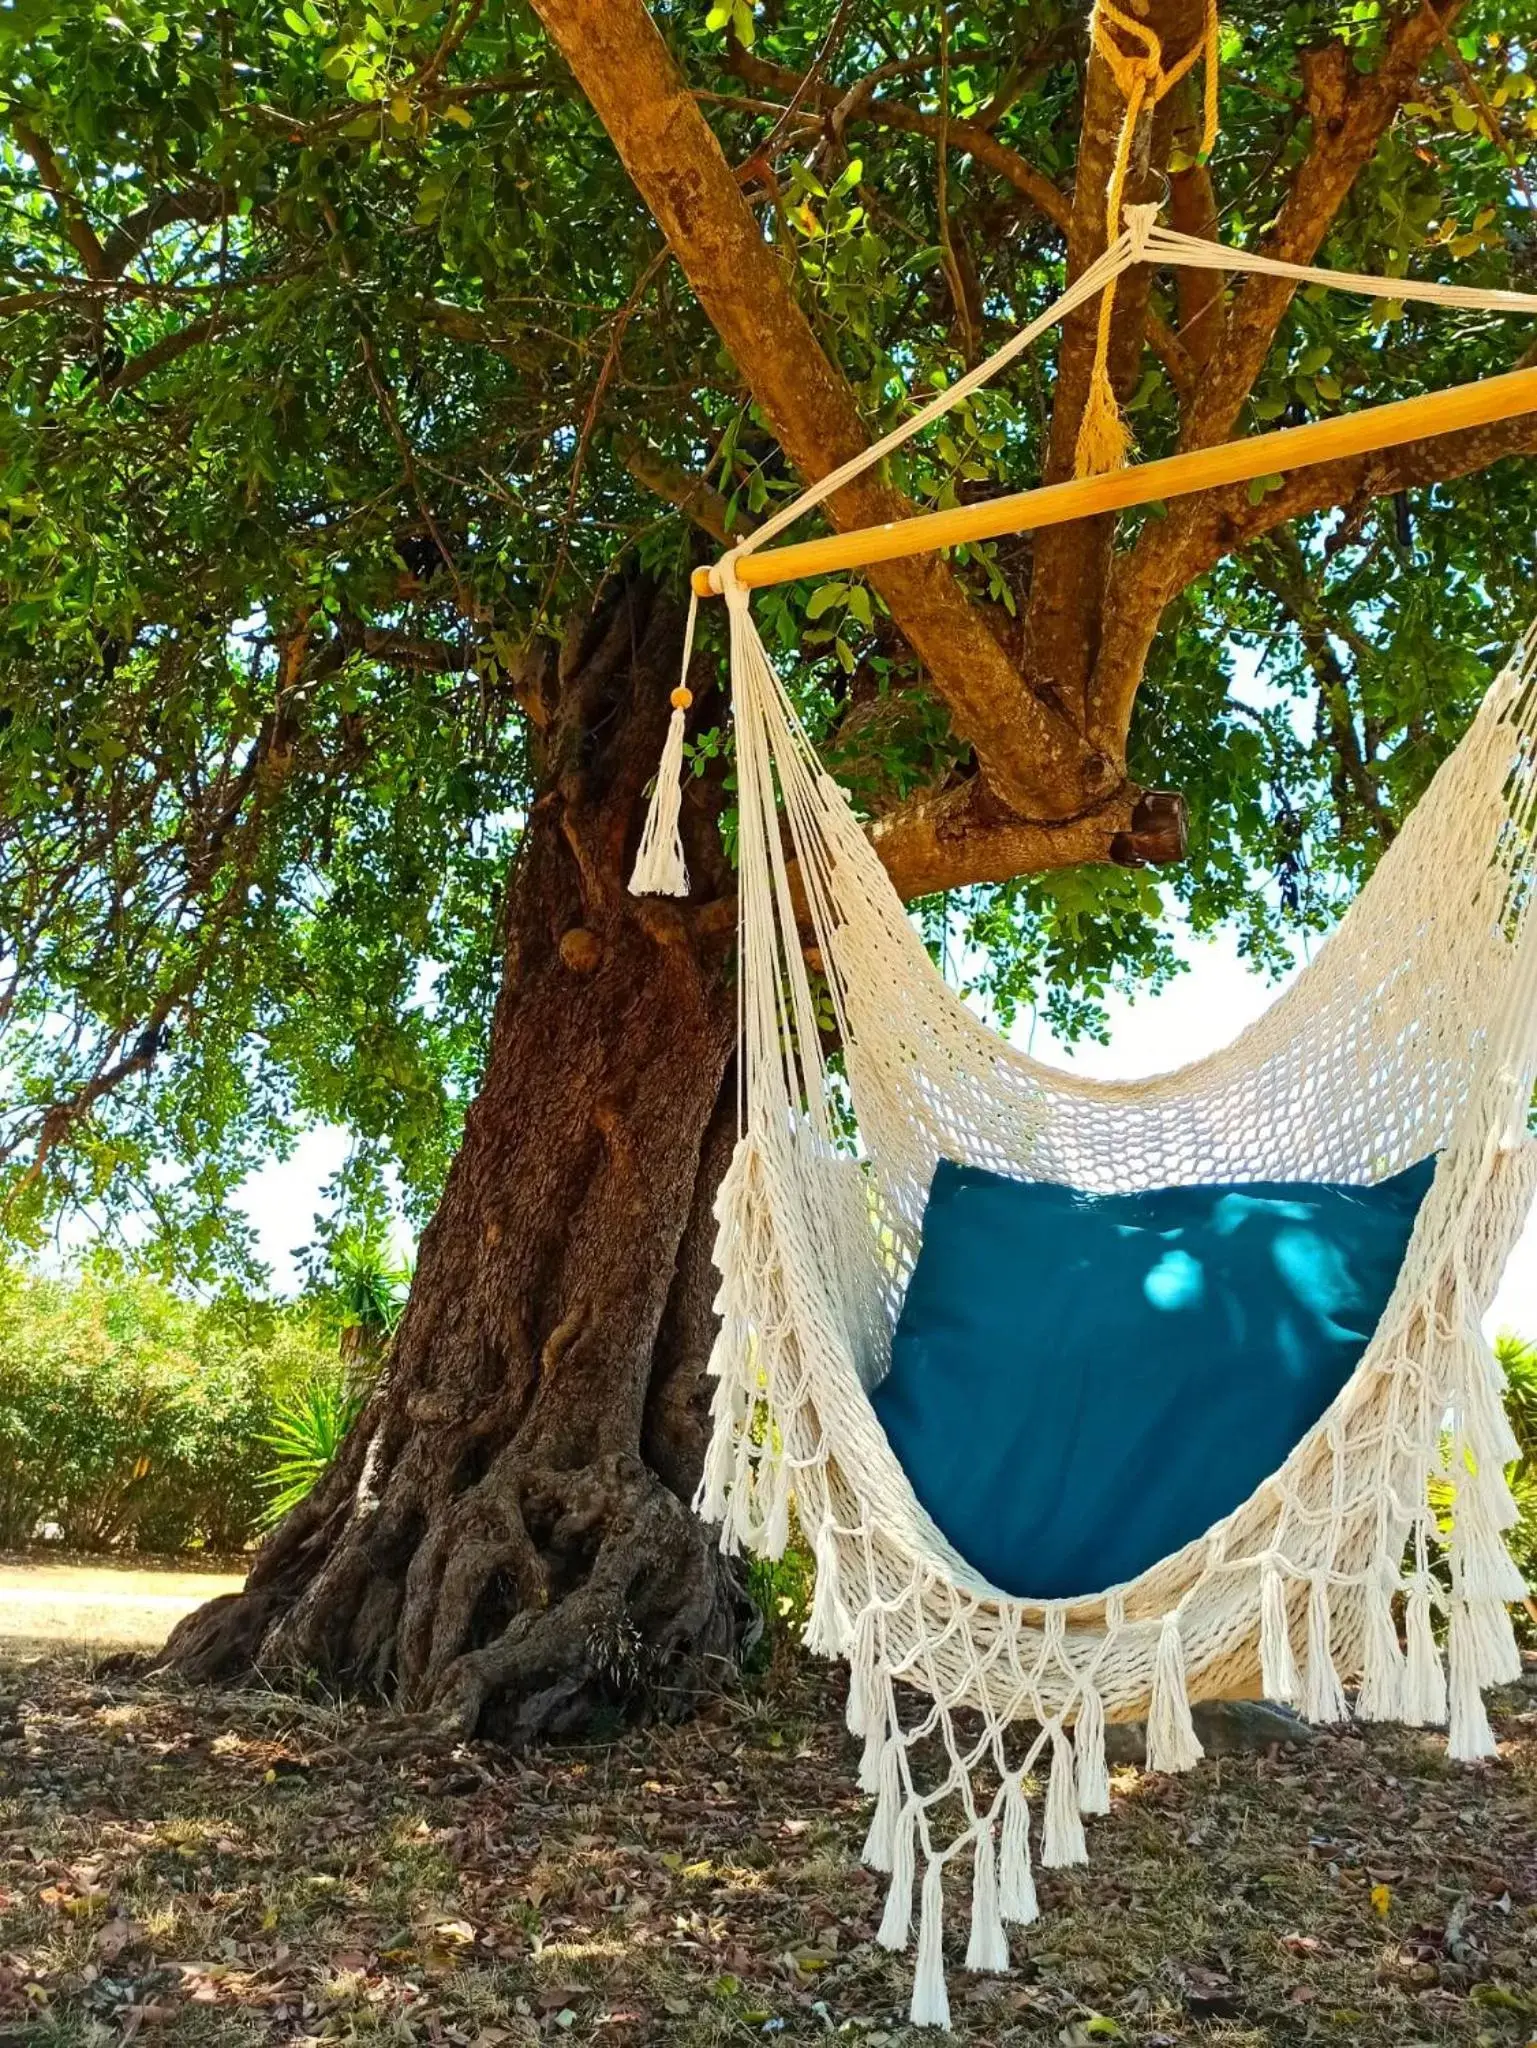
[{"x": 505, "y": 1541}]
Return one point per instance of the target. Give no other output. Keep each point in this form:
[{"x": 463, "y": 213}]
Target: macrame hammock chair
[{"x": 1412, "y": 1032}]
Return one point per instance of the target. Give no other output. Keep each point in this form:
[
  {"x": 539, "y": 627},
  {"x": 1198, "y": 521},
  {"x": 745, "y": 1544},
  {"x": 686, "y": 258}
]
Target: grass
[
  {"x": 104, "y": 1603},
  {"x": 215, "y": 1870}
]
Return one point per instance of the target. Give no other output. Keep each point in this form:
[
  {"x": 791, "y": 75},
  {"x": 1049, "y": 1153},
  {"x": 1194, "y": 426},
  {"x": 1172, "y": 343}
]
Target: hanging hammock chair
[{"x": 1405, "y": 1051}]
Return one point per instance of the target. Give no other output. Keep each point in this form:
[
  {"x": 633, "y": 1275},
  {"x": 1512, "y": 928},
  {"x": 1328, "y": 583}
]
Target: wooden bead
[{"x": 682, "y": 698}]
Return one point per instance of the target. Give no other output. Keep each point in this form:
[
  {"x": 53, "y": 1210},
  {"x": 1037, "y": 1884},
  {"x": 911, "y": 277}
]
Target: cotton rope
[
  {"x": 1412, "y": 1031},
  {"x": 1140, "y": 76}
]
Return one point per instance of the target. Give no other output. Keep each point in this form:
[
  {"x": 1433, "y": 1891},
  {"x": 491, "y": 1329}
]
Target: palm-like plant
[
  {"x": 307, "y": 1428},
  {"x": 367, "y": 1291},
  {"x": 1518, "y": 1360}
]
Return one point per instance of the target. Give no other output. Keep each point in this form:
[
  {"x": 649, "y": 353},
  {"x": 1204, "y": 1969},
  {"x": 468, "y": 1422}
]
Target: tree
[{"x": 375, "y": 378}]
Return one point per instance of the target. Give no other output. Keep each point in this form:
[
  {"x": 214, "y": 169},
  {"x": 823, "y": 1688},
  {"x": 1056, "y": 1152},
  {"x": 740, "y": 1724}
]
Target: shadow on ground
[{"x": 209, "y": 1871}]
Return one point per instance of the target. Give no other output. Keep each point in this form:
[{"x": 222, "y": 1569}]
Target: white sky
[{"x": 1198, "y": 1012}]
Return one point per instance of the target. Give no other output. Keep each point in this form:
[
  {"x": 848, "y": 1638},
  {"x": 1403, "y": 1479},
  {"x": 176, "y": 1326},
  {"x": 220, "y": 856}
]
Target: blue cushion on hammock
[{"x": 1080, "y": 1384}]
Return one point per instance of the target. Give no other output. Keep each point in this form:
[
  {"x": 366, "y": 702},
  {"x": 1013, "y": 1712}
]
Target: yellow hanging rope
[{"x": 1103, "y": 440}]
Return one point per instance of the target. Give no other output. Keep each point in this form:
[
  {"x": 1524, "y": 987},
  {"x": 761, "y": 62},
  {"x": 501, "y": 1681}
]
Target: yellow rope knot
[{"x": 1103, "y": 439}]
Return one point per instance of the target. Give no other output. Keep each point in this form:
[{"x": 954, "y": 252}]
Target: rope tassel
[
  {"x": 1062, "y": 1842},
  {"x": 660, "y": 869},
  {"x": 1380, "y": 1696},
  {"x": 1089, "y": 1745},
  {"x": 897, "y": 1920},
  {"x": 1424, "y": 1694},
  {"x": 880, "y": 1842},
  {"x": 1279, "y": 1677},
  {"x": 1172, "y": 1743},
  {"x": 1016, "y": 1880},
  {"x": 1323, "y": 1700},
  {"x": 989, "y": 1946},
  {"x": 1468, "y": 1734},
  {"x": 931, "y": 2002}
]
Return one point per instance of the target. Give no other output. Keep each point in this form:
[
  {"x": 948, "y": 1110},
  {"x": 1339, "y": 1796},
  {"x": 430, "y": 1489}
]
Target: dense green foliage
[
  {"x": 130, "y": 1417},
  {"x": 304, "y": 1435},
  {"x": 1519, "y": 1360},
  {"x": 336, "y": 343}
]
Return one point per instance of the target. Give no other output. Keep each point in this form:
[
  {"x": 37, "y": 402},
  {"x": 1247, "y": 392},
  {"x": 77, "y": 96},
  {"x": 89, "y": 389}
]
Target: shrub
[
  {"x": 1519, "y": 1360},
  {"x": 129, "y": 1416}
]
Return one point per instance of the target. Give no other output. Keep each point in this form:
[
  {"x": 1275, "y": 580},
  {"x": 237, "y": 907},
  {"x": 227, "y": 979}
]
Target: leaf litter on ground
[{"x": 191, "y": 1869}]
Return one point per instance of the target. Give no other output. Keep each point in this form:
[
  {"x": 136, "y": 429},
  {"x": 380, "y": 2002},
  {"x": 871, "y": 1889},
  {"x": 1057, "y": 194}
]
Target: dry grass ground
[
  {"x": 102, "y": 1603},
  {"x": 193, "y": 1870}
]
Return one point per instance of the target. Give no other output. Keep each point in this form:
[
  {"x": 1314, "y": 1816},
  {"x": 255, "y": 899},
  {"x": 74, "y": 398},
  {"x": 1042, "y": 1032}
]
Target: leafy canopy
[{"x": 340, "y": 358}]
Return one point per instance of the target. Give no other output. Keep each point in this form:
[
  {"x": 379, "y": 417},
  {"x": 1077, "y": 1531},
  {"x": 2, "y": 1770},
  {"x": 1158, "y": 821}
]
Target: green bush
[
  {"x": 1519, "y": 1360},
  {"x": 130, "y": 1417}
]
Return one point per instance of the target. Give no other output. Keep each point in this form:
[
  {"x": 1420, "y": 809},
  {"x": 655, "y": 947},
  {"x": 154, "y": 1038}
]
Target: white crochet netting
[{"x": 1413, "y": 1031}]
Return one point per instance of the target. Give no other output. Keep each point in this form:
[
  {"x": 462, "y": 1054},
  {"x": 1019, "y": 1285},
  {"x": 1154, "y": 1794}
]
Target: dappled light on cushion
[{"x": 1080, "y": 1384}]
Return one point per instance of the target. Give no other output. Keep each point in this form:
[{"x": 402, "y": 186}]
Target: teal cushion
[{"x": 1080, "y": 1384}]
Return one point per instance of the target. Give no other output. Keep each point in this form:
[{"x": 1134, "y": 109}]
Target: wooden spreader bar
[{"x": 1202, "y": 469}]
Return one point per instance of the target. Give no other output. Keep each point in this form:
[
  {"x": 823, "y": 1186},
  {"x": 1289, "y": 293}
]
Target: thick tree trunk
[{"x": 505, "y": 1540}]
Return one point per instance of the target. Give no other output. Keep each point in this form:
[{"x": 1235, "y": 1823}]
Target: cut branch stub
[{"x": 1160, "y": 832}]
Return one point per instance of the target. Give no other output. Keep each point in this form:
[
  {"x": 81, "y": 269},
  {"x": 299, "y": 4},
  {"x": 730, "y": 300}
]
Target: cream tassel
[
  {"x": 1089, "y": 1746},
  {"x": 897, "y": 1920},
  {"x": 1496, "y": 1659},
  {"x": 1323, "y": 1697},
  {"x": 1484, "y": 1507},
  {"x": 931, "y": 2004},
  {"x": 989, "y": 1945},
  {"x": 863, "y": 1703},
  {"x": 1380, "y": 1696},
  {"x": 660, "y": 869},
  {"x": 719, "y": 1463},
  {"x": 1279, "y": 1677},
  {"x": 776, "y": 1529},
  {"x": 1468, "y": 1734},
  {"x": 826, "y": 1629},
  {"x": 1424, "y": 1701},
  {"x": 1062, "y": 1840},
  {"x": 1016, "y": 1880},
  {"x": 870, "y": 1757},
  {"x": 1171, "y": 1736},
  {"x": 736, "y": 1526},
  {"x": 880, "y": 1842}
]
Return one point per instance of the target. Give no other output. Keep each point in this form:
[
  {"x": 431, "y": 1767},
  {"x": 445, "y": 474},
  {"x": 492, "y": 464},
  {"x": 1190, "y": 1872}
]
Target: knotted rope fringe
[
  {"x": 1103, "y": 440},
  {"x": 815, "y": 1246},
  {"x": 660, "y": 869}
]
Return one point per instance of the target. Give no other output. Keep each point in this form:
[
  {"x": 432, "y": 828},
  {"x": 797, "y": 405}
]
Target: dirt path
[{"x": 102, "y": 1605}]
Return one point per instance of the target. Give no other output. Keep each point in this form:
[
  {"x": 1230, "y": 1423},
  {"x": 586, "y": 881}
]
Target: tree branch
[
  {"x": 958, "y": 839},
  {"x": 199, "y": 206},
  {"x": 691, "y": 495},
  {"x": 169, "y": 347},
  {"x": 851, "y": 103},
  {"x": 1350, "y": 112},
  {"x": 56, "y": 180},
  {"x": 1034, "y": 755}
]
